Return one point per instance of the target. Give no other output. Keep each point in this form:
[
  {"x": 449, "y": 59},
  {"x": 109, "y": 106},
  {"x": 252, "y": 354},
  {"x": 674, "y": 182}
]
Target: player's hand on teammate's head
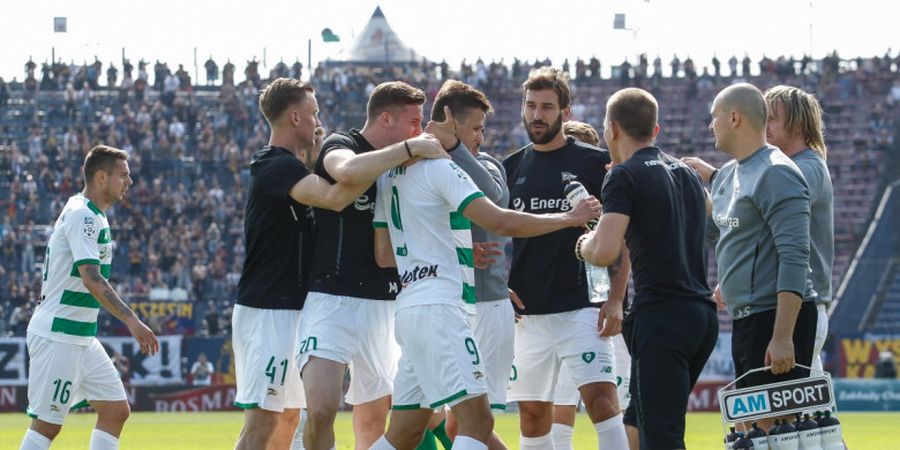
[
  {"x": 144, "y": 336},
  {"x": 702, "y": 167},
  {"x": 426, "y": 146},
  {"x": 483, "y": 252},
  {"x": 444, "y": 131},
  {"x": 587, "y": 209}
]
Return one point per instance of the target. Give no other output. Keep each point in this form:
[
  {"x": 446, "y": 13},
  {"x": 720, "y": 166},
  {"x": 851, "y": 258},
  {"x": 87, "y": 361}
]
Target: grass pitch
[{"x": 219, "y": 430}]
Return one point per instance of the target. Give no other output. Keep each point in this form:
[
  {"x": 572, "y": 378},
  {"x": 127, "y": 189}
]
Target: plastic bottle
[
  {"x": 810, "y": 436},
  {"x": 830, "y": 431},
  {"x": 743, "y": 443},
  {"x": 597, "y": 277},
  {"x": 786, "y": 437},
  {"x": 730, "y": 438},
  {"x": 758, "y": 436}
]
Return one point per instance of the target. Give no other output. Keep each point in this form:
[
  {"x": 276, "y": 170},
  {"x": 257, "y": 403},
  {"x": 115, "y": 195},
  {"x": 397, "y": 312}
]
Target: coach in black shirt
[{"x": 658, "y": 206}]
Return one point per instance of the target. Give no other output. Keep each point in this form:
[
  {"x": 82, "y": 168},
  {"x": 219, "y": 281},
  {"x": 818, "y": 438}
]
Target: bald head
[{"x": 747, "y": 100}]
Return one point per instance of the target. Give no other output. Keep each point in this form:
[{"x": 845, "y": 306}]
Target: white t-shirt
[
  {"x": 421, "y": 205},
  {"x": 202, "y": 373},
  {"x": 67, "y": 311}
]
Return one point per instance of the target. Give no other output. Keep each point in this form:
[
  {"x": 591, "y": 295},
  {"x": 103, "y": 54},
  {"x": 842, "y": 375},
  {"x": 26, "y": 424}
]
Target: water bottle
[
  {"x": 730, "y": 438},
  {"x": 597, "y": 277},
  {"x": 743, "y": 443},
  {"x": 830, "y": 430},
  {"x": 785, "y": 437},
  {"x": 810, "y": 434},
  {"x": 759, "y": 437}
]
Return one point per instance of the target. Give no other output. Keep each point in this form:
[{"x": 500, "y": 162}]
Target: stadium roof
[{"x": 378, "y": 43}]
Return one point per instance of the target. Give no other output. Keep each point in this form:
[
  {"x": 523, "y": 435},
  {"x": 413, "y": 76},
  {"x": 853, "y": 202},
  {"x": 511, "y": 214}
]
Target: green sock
[
  {"x": 428, "y": 442},
  {"x": 441, "y": 434}
]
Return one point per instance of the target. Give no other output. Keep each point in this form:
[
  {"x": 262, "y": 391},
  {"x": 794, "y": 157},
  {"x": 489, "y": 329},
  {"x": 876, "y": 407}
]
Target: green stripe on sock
[
  {"x": 73, "y": 327},
  {"x": 82, "y": 299}
]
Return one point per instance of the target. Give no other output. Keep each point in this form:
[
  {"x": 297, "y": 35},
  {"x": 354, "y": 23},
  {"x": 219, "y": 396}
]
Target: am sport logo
[{"x": 776, "y": 399}]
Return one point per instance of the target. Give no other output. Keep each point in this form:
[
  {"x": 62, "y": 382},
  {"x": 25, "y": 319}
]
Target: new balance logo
[{"x": 417, "y": 273}]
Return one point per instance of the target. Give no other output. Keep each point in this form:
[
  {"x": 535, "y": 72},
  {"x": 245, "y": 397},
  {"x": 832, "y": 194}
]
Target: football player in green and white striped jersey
[{"x": 68, "y": 364}]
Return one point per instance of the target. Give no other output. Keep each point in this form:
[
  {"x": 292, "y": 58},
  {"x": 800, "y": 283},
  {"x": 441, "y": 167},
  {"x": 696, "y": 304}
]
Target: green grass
[{"x": 219, "y": 430}]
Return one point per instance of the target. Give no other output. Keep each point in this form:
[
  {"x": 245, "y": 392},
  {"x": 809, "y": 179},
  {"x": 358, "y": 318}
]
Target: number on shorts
[
  {"x": 46, "y": 262},
  {"x": 473, "y": 350},
  {"x": 310, "y": 343},
  {"x": 514, "y": 373},
  {"x": 272, "y": 370},
  {"x": 62, "y": 390}
]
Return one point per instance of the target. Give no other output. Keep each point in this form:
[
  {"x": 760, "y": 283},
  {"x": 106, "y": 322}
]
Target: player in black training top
[
  {"x": 273, "y": 282},
  {"x": 559, "y": 325},
  {"x": 348, "y": 319},
  {"x": 658, "y": 206}
]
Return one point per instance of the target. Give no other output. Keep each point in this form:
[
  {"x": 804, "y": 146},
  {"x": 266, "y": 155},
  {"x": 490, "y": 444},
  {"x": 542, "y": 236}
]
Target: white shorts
[
  {"x": 264, "y": 341},
  {"x": 62, "y": 374},
  {"x": 545, "y": 342},
  {"x": 566, "y": 394},
  {"x": 821, "y": 335},
  {"x": 353, "y": 331},
  {"x": 494, "y": 329},
  {"x": 439, "y": 362}
]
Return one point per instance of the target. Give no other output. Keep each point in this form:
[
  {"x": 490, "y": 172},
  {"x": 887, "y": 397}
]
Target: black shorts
[
  {"x": 750, "y": 338},
  {"x": 669, "y": 344}
]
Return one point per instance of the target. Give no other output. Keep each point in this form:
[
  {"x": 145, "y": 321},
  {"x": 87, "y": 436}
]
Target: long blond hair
[{"x": 802, "y": 114}]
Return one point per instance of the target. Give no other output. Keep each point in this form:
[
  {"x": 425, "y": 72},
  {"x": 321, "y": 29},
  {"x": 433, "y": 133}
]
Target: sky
[{"x": 171, "y": 30}]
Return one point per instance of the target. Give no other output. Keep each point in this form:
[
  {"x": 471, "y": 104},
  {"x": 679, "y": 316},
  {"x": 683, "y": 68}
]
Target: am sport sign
[{"x": 777, "y": 399}]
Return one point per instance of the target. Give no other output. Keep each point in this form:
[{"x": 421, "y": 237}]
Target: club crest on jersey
[
  {"x": 588, "y": 357},
  {"x": 89, "y": 226}
]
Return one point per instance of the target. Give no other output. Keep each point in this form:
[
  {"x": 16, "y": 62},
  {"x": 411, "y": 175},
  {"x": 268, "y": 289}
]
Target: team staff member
[
  {"x": 658, "y": 206},
  {"x": 559, "y": 325},
  {"x": 761, "y": 210}
]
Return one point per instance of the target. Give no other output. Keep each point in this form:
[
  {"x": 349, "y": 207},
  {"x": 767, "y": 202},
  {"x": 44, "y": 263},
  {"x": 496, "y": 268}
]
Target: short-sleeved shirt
[
  {"x": 421, "y": 206},
  {"x": 67, "y": 311},
  {"x": 544, "y": 271},
  {"x": 344, "y": 256},
  {"x": 276, "y": 233},
  {"x": 666, "y": 206}
]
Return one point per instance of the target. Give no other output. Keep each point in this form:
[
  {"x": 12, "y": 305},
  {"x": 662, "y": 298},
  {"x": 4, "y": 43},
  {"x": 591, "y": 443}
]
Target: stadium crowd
[{"x": 178, "y": 232}]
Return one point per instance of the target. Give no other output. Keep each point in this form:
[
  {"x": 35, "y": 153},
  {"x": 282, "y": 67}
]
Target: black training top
[
  {"x": 343, "y": 260},
  {"x": 665, "y": 202},
  {"x": 544, "y": 272},
  {"x": 276, "y": 234}
]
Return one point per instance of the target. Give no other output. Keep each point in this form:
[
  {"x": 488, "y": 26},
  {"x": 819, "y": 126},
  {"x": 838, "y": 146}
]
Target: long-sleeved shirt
[
  {"x": 821, "y": 226},
  {"x": 761, "y": 209},
  {"x": 490, "y": 177}
]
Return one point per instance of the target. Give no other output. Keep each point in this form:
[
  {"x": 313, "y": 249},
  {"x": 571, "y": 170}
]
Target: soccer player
[
  {"x": 462, "y": 111},
  {"x": 658, "y": 206},
  {"x": 761, "y": 209},
  {"x": 559, "y": 324},
  {"x": 565, "y": 395},
  {"x": 426, "y": 208},
  {"x": 67, "y": 361},
  {"x": 349, "y": 314},
  {"x": 274, "y": 281}
]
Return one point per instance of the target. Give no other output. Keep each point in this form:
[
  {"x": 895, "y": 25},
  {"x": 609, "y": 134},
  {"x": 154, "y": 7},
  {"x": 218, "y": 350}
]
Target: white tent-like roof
[{"x": 378, "y": 43}]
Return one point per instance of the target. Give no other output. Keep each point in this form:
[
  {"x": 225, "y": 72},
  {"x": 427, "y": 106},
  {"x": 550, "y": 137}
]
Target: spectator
[
  {"x": 212, "y": 71},
  {"x": 201, "y": 371},
  {"x": 887, "y": 365}
]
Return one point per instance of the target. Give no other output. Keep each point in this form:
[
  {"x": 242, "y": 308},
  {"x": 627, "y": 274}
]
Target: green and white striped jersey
[
  {"x": 421, "y": 205},
  {"x": 67, "y": 311}
]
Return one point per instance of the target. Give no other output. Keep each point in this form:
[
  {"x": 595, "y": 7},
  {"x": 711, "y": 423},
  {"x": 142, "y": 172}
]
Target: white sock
[
  {"x": 297, "y": 443},
  {"x": 468, "y": 443},
  {"x": 562, "y": 436},
  {"x": 101, "y": 440},
  {"x": 535, "y": 443},
  {"x": 611, "y": 433},
  {"x": 382, "y": 444},
  {"x": 34, "y": 441}
]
